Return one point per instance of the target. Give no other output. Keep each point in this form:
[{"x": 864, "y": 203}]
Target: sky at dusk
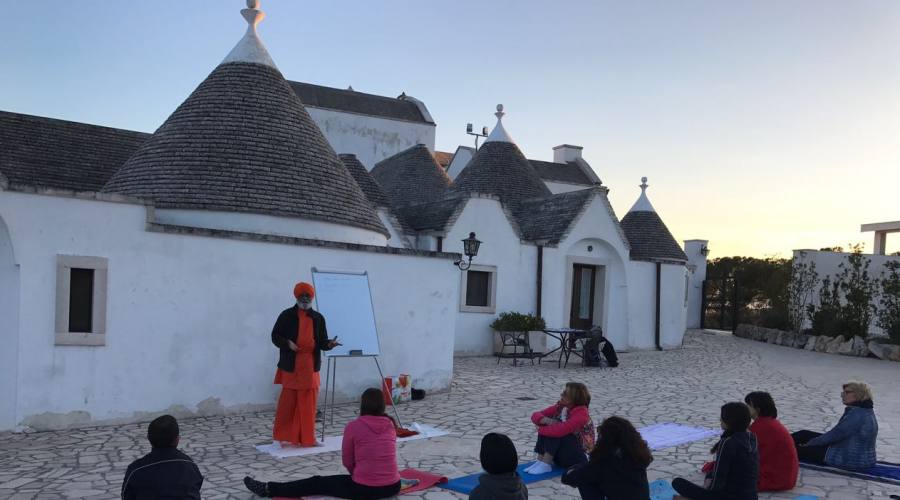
[{"x": 763, "y": 126}]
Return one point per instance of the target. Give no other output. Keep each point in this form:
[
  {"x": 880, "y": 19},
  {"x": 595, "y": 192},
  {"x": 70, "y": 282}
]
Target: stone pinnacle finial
[
  {"x": 250, "y": 48},
  {"x": 644, "y": 184},
  {"x": 499, "y": 114},
  {"x": 252, "y": 14}
]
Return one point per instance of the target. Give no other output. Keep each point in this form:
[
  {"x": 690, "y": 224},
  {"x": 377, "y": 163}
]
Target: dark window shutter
[
  {"x": 478, "y": 288},
  {"x": 81, "y": 300}
]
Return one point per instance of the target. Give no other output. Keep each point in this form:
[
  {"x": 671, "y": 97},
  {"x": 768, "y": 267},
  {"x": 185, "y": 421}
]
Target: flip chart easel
[{"x": 344, "y": 298}]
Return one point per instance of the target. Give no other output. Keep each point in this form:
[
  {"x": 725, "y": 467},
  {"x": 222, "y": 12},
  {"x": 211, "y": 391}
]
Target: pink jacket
[
  {"x": 369, "y": 451},
  {"x": 578, "y": 422}
]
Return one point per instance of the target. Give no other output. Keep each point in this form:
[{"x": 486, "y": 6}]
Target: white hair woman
[{"x": 850, "y": 444}]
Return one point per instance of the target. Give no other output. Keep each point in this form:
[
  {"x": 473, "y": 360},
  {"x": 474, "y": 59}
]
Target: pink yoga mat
[{"x": 426, "y": 481}]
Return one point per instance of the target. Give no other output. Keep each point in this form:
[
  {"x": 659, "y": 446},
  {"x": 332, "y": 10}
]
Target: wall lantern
[
  {"x": 470, "y": 248},
  {"x": 704, "y": 250}
]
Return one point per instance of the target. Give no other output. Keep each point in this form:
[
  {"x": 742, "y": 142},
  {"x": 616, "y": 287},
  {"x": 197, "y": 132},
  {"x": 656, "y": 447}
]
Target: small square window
[
  {"x": 81, "y": 300},
  {"x": 478, "y": 289}
]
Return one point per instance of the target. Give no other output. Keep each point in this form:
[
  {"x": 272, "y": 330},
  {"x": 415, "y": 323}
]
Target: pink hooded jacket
[
  {"x": 369, "y": 451},
  {"x": 578, "y": 422}
]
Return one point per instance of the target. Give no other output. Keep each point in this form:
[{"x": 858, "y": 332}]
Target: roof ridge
[{"x": 72, "y": 122}]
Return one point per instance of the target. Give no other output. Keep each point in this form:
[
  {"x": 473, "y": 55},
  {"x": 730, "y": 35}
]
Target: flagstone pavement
[{"x": 686, "y": 386}]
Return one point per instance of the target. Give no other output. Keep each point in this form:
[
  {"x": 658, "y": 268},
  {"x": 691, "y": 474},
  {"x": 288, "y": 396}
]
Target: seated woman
[
  {"x": 617, "y": 468},
  {"x": 736, "y": 469},
  {"x": 565, "y": 430},
  {"x": 778, "y": 466},
  {"x": 369, "y": 453},
  {"x": 851, "y": 443}
]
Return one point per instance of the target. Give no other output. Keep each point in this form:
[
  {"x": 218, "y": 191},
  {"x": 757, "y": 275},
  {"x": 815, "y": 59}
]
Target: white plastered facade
[{"x": 188, "y": 317}]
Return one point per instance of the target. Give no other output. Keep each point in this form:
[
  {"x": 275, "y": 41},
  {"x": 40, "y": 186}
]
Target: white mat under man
[{"x": 333, "y": 443}]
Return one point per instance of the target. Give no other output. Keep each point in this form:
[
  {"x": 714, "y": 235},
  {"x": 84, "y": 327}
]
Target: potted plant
[{"x": 525, "y": 330}]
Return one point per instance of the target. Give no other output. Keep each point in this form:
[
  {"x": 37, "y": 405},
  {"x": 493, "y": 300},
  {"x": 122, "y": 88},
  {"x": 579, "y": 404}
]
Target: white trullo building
[{"x": 141, "y": 273}]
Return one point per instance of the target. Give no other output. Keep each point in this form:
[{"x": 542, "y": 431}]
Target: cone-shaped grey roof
[
  {"x": 366, "y": 182},
  {"x": 649, "y": 237},
  {"x": 243, "y": 142},
  {"x": 500, "y": 168},
  {"x": 411, "y": 176}
]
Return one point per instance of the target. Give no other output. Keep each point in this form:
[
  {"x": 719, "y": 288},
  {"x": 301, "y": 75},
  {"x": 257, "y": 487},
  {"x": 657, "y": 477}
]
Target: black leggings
[
  {"x": 566, "y": 450},
  {"x": 340, "y": 486},
  {"x": 690, "y": 490},
  {"x": 809, "y": 454}
]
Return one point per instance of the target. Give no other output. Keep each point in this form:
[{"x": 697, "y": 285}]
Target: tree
[
  {"x": 859, "y": 290},
  {"x": 802, "y": 285},
  {"x": 888, "y": 316}
]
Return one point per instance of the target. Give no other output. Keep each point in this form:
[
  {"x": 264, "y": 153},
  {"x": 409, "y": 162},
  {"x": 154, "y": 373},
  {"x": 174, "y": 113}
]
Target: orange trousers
[{"x": 295, "y": 416}]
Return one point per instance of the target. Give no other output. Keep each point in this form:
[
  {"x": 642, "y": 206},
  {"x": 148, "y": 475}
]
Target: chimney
[{"x": 566, "y": 153}]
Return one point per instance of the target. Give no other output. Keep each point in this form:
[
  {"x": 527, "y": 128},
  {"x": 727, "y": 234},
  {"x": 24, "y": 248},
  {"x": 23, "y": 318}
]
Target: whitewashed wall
[
  {"x": 696, "y": 261},
  {"x": 564, "y": 187},
  {"x": 626, "y": 303},
  {"x": 516, "y": 267},
  {"x": 370, "y": 138},
  {"x": 189, "y": 317},
  {"x": 595, "y": 228},
  {"x": 461, "y": 158},
  {"x": 270, "y": 224},
  {"x": 827, "y": 264},
  {"x": 642, "y": 305},
  {"x": 9, "y": 328}
]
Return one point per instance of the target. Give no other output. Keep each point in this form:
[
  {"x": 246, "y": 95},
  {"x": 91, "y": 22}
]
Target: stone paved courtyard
[{"x": 685, "y": 386}]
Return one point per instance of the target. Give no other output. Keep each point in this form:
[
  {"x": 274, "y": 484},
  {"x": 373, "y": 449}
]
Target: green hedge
[{"x": 517, "y": 322}]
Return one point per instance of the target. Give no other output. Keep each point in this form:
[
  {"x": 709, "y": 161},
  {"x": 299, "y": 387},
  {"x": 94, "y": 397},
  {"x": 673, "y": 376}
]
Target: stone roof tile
[
  {"x": 411, "y": 177},
  {"x": 45, "y": 152},
  {"x": 650, "y": 239},
  {"x": 243, "y": 142}
]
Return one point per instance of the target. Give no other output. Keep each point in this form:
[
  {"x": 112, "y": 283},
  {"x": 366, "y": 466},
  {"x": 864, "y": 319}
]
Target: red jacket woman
[{"x": 778, "y": 464}]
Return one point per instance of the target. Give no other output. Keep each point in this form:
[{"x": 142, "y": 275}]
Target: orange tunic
[{"x": 295, "y": 414}]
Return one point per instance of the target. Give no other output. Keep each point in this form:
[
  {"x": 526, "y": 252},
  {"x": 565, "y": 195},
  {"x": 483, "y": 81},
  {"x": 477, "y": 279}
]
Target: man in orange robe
[{"x": 300, "y": 335}]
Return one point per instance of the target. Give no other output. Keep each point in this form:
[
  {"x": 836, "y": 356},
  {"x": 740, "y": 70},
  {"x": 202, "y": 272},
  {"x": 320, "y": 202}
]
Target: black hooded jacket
[
  {"x": 500, "y": 487},
  {"x": 286, "y": 328},
  {"x": 737, "y": 466}
]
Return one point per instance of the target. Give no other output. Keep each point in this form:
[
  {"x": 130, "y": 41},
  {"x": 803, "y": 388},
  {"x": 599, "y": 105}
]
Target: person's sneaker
[
  {"x": 538, "y": 468},
  {"x": 257, "y": 487}
]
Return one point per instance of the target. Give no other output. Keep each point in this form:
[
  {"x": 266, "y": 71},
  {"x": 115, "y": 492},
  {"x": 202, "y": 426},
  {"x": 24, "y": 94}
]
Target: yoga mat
[
  {"x": 333, "y": 443},
  {"x": 466, "y": 484},
  {"x": 426, "y": 481},
  {"x": 882, "y": 472},
  {"x": 660, "y": 436},
  {"x": 661, "y": 490}
]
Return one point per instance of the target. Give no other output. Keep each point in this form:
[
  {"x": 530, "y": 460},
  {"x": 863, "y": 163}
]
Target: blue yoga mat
[
  {"x": 882, "y": 472},
  {"x": 661, "y": 490},
  {"x": 466, "y": 484}
]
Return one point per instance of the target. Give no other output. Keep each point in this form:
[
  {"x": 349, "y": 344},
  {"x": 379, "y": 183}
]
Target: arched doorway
[{"x": 9, "y": 329}]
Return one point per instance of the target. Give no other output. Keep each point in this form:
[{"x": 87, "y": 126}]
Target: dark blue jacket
[
  {"x": 851, "y": 443},
  {"x": 162, "y": 474},
  {"x": 737, "y": 466}
]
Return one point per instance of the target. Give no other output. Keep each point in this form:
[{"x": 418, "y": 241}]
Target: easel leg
[
  {"x": 394, "y": 406},
  {"x": 325, "y": 399},
  {"x": 333, "y": 380}
]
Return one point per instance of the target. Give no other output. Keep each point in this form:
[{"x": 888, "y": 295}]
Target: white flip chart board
[{"x": 344, "y": 298}]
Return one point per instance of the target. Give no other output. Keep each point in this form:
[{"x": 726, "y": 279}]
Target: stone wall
[{"x": 855, "y": 346}]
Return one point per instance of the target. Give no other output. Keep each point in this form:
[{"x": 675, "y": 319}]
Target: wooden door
[{"x": 583, "y": 279}]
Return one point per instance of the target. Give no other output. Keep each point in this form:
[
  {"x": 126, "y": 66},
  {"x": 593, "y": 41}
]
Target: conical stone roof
[
  {"x": 499, "y": 168},
  {"x": 243, "y": 142},
  {"x": 411, "y": 176}
]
